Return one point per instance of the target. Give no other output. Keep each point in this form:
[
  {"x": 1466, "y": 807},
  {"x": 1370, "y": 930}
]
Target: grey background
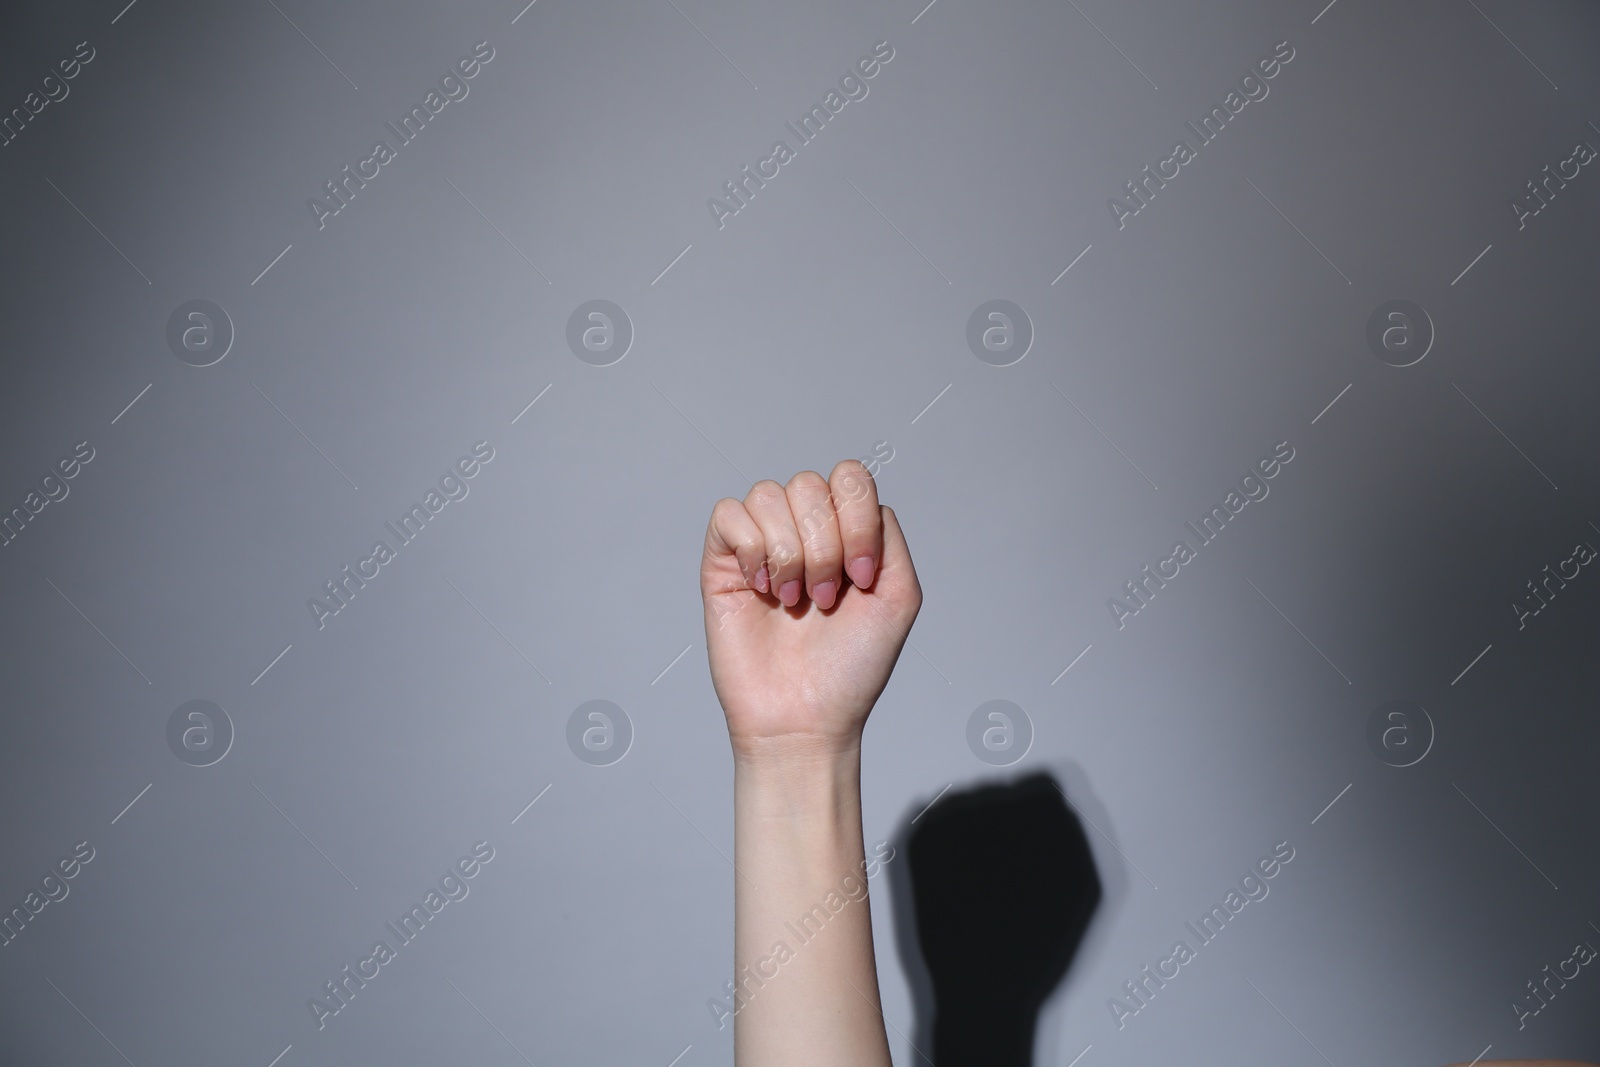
[{"x": 823, "y": 318}]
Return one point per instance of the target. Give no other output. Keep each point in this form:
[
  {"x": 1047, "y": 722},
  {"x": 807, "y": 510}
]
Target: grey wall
[{"x": 363, "y": 354}]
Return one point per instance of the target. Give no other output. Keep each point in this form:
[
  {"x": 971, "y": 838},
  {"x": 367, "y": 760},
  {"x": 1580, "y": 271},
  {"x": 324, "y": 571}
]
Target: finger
[
  {"x": 811, "y": 504},
  {"x": 732, "y": 532},
  {"x": 768, "y": 505},
  {"x": 855, "y": 502}
]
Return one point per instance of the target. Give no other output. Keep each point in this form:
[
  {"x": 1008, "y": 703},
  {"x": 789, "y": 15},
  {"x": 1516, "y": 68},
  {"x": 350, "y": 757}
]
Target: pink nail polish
[
  {"x": 860, "y": 570},
  {"x": 763, "y": 583},
  {"x": 825, "y": 593},
  {"x": 789, "y": 592}
]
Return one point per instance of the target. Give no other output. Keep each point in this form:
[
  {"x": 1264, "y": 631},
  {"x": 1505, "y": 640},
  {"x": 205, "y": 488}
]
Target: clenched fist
[{"x": 809, "y": 595}]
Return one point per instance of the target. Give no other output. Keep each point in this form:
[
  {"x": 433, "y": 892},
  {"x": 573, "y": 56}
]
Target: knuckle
[
  {"x": 824, "y": 558},
  {"x": 807, "y": 480},
  {"x": 765, "y": 489},
  {"x": 854, "y": 487},
  {"x": 860, "y": 531}
]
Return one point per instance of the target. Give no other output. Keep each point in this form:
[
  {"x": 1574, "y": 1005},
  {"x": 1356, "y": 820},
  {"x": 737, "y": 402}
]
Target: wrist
[
  {"x": 797, "y": 776},
  {"x": 795, "y": 752}
]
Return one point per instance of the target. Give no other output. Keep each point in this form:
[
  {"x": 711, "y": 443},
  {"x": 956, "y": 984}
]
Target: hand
[{"x": 809, "y": 596}]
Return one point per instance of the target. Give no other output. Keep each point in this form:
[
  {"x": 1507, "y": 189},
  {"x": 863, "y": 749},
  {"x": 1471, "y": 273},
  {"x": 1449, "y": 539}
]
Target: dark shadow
[{"x": 997, "y": 890}]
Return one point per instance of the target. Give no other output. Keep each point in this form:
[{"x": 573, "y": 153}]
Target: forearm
[{"x": 803, "y": 959}]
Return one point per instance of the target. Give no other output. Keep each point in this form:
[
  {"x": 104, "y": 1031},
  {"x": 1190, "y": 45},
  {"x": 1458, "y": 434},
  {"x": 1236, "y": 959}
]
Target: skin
[{"x": 809, "y": 595}]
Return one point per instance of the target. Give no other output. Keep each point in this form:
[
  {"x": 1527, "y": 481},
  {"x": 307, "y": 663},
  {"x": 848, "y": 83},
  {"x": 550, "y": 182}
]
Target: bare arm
[
  {"x": 809, "y": 593},
  {"x": 797, "y": 837}
]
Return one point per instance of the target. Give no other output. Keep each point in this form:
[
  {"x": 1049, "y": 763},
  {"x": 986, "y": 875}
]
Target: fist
[{"x": 809, "y": 596}]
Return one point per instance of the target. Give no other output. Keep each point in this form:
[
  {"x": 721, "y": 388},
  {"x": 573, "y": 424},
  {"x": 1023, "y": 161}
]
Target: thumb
[{"x": 897, "y": 576}]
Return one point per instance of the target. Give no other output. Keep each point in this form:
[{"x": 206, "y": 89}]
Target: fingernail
[
  {"x": 824, "y": 593},
  {"x": 860, "y": 570},
  {"x": 789, "y": 592},
  {"x": 761, "y": 582}
]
